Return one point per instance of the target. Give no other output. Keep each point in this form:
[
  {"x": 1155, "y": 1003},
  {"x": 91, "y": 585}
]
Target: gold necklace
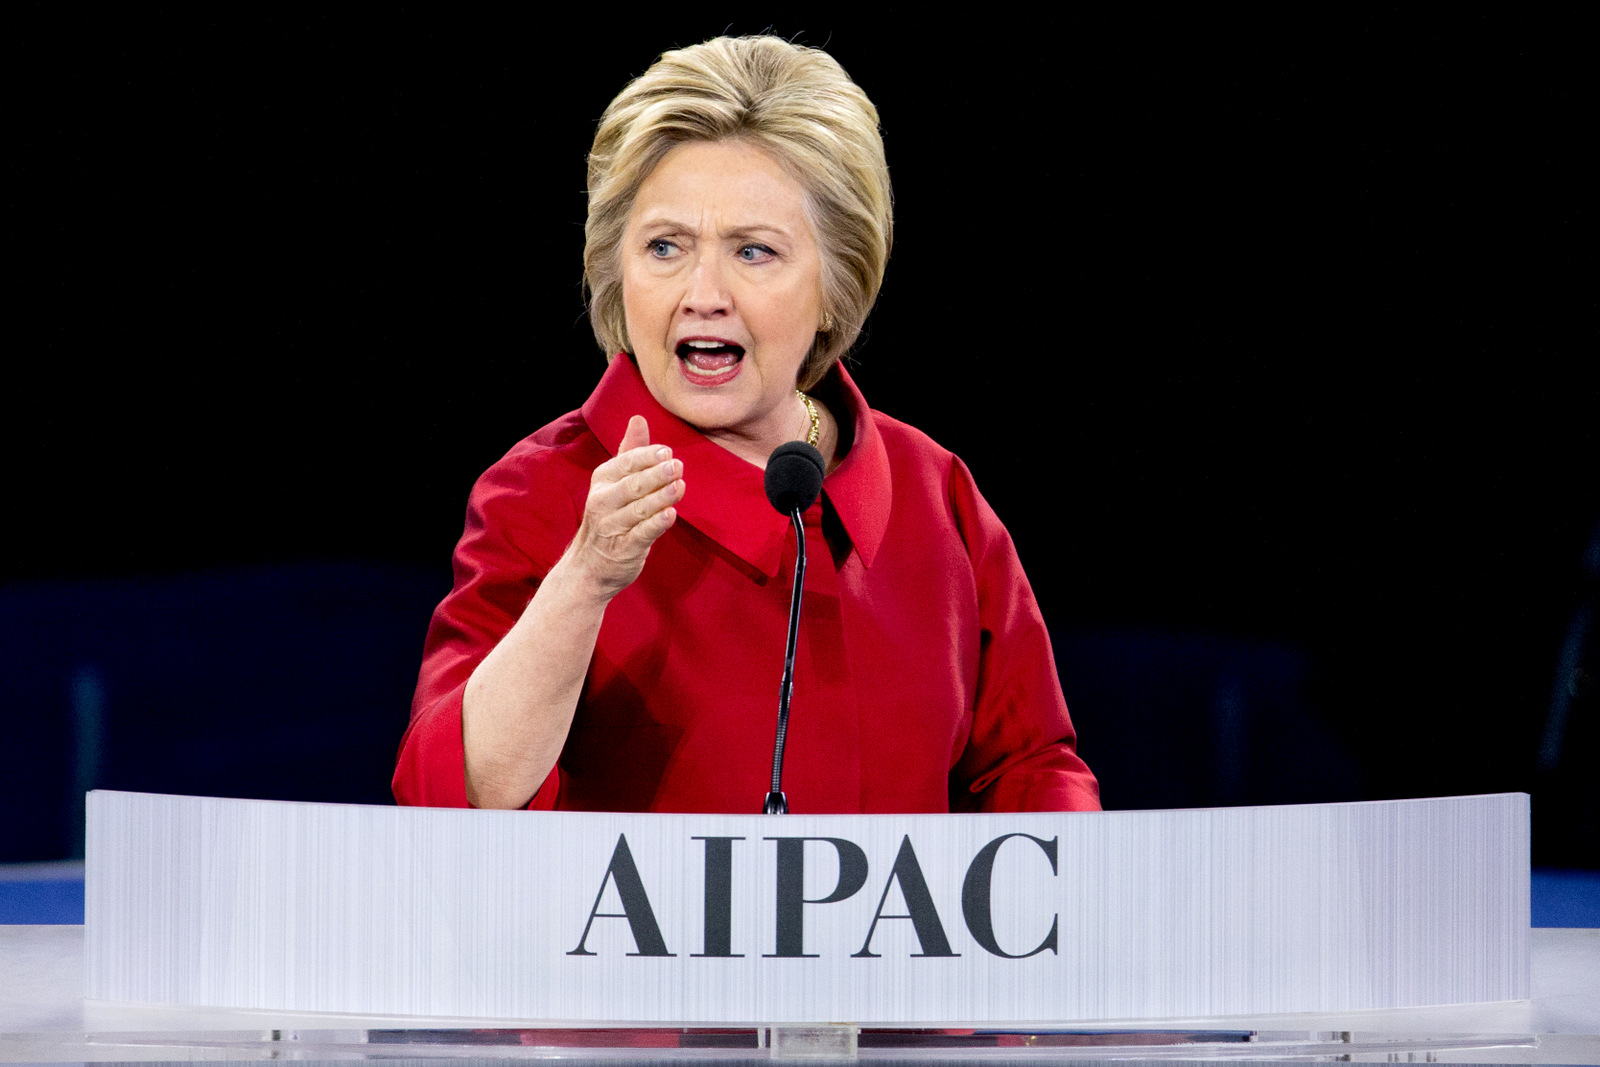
[{"x": 816, "y": 422}]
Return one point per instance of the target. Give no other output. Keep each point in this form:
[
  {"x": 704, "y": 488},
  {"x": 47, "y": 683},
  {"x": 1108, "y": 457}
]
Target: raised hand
[
  {"x": 519, "y": 702},
  {"x": 630, "y": 504}
]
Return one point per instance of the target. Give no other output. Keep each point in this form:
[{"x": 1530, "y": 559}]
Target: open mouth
[{"x": 708, "y": 358}]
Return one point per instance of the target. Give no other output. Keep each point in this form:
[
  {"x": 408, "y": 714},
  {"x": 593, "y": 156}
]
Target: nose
[{"x": 707, "y": 296}]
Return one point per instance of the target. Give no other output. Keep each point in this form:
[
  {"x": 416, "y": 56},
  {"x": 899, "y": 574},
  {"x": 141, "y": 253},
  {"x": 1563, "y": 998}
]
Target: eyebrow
[{"x": 745, "y": 230}]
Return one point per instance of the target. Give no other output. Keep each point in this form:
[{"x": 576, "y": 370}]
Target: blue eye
[
  {"x": 661, "y": 248},
  {"x": 755, "y": 253}
]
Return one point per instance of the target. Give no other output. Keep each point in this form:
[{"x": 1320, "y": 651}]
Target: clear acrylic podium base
[{"x": 807, "y": 1044}]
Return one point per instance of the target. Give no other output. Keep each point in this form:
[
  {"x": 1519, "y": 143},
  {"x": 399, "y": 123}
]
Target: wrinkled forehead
[{"x": 721, "y": 186}]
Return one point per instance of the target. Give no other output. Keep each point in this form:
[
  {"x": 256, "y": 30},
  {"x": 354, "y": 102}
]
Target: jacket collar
[{"x": 726, "y": 500}]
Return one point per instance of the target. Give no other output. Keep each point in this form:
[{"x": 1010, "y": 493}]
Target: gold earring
[{"x": 827, "y": 323}]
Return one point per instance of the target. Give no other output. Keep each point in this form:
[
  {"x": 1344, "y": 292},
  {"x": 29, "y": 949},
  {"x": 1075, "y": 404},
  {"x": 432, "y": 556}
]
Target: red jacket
[{"x": 924, "y": 680}]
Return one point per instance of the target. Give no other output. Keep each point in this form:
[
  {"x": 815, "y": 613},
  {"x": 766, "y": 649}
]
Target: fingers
[
  {"x": 642, "y": 519},
  {"x": 635, "y": 453},
  {"x": 613, "y": 489}
]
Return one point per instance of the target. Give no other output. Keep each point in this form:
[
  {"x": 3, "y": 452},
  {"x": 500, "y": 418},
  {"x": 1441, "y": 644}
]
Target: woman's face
[{"x": 722, "y": 290}]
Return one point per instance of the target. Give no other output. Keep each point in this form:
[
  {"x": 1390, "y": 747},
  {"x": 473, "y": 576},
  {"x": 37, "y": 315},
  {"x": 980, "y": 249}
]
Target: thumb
[{"x": 637, "y": 435}]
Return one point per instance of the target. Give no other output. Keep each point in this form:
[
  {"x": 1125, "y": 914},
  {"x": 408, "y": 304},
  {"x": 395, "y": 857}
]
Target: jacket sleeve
[
  {"x": 520, "y": 518},
  {"x": 1021, "y": 754}
]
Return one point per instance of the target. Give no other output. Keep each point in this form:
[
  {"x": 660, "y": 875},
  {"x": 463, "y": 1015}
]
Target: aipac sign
[
  {"x": 880, "y": 920},
  {"x": 905, "y": 875}
]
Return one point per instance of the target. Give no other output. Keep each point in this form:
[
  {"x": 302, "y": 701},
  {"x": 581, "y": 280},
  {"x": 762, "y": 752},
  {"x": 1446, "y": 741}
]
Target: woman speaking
[{"x": 616, "y": 630}]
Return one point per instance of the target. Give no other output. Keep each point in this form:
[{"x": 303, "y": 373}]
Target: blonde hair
[{"x": 794, "y": 102}]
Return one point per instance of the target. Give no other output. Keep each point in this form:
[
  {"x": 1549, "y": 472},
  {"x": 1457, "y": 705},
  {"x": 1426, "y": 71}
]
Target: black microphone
[
  {"x": 794, "y": 476},
  {"x": 793, "y": 480}
]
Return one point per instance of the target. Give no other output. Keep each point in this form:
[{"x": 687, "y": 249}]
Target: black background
[{"x": 1279, "y": 329}]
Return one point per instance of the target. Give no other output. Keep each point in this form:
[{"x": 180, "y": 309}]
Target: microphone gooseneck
[{"x": 793, "y": 480}]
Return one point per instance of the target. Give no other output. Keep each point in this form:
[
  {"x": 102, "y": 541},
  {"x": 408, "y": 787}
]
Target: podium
[
  {"x": 203, "y": 914},
  {"x": 914, "y": 921}
]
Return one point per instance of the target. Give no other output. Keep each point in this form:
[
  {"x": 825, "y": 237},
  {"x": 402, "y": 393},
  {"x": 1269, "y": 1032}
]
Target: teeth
[{"x": 706, "y": 344}]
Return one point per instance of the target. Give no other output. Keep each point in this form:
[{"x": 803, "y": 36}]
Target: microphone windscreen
[{"x": 794, "y": 476}]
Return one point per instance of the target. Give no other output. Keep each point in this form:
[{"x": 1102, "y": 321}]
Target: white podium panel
[{"x": 878, "y": 920}]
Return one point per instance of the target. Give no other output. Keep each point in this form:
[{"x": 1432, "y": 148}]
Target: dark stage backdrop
[{"x": 1271, "y": 341}]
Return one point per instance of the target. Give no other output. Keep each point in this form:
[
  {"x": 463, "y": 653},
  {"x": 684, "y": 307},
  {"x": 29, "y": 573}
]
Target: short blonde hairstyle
[{"x": 795, "y": 103}]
